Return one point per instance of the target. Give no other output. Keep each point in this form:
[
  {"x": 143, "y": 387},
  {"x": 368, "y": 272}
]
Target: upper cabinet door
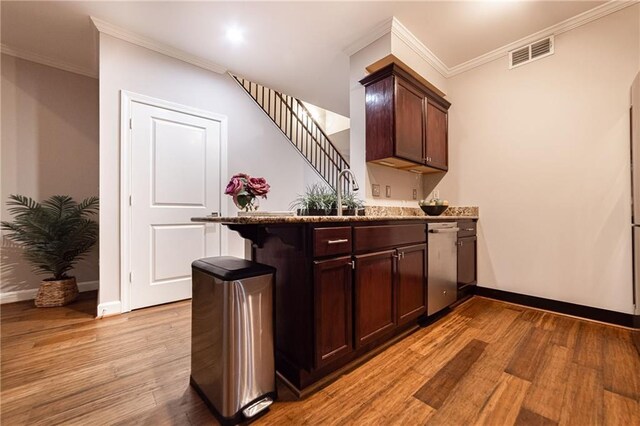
[
  {"x": 409, "y": 122},
  {"x": 436, "y": 141}
]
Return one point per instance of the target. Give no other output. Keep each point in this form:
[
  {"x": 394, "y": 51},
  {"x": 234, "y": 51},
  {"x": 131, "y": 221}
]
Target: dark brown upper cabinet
[{"x": 406, "y": 122}]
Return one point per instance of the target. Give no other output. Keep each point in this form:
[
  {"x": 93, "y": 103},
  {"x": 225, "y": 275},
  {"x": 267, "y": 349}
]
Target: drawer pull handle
[
  {"x": 337, "y": 241},
  {"x": 469, "y": 229}
]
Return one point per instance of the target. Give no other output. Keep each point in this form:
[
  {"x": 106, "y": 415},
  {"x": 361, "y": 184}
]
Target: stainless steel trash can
[{"x": 232, "y": 349}]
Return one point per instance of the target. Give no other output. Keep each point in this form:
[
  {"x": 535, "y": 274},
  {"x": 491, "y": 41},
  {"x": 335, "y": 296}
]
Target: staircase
[{"x": 297, "y": 124}]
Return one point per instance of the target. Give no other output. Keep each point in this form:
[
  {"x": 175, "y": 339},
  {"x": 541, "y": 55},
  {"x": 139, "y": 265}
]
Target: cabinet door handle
[{"x": 337, "y": 241}]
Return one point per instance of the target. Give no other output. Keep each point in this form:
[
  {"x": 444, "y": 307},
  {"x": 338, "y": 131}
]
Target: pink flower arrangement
[{"x": 245, "y": 189}]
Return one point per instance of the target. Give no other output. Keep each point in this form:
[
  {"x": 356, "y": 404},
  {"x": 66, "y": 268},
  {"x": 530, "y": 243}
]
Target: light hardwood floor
[{"x": 485, "y": 363}]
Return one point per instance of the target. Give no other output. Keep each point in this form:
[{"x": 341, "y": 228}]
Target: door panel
[
  {"x": 333, "y": 320},
  {"x": 168, "y": 263},
  {"x": 174, "y": 184},
  {"x": 374, "y": 295},
  {"x": 436, "y": 148},
  {"x": 412, "y": 282},
  {"x": 175, "y": 175},
  {"x": 409, "y": 118}
]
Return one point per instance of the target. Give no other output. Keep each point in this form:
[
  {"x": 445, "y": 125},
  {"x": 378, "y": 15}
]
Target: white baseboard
[
  {"x": 109, "y": 308},
  {"x": 20, "y": 295}
]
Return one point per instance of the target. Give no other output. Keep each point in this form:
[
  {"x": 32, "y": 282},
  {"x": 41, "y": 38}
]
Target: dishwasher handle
[{"x": 443, "y": 230}]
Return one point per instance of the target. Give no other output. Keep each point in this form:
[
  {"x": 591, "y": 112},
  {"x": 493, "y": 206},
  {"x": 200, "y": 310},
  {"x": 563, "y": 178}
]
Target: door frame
[{"x": 126, "y": 100}]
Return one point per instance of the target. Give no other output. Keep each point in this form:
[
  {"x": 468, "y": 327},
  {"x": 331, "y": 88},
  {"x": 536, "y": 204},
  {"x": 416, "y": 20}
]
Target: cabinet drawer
[
  {"x": 331, "y": 241},
  {"x": 367, "y": 238},
  {"x": 467, "y": 229}
]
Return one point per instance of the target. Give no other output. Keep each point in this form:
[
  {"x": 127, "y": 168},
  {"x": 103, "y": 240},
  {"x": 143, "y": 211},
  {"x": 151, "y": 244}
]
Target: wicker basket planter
[{"x": 56, "y": 293}]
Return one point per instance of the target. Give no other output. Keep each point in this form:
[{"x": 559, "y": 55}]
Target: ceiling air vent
[{"x": 531, "y": 52}]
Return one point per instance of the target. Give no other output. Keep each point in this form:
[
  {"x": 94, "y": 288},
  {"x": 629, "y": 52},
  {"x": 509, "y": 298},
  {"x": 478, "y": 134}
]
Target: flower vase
[{"x": 251, "y": 205}]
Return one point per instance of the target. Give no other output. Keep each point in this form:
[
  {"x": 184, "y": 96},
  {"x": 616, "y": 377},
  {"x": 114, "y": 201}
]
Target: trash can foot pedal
[{"x": 257, "y": 407}]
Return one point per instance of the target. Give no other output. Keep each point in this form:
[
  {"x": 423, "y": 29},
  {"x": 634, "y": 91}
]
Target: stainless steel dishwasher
[{"x": 442, "y": 278}]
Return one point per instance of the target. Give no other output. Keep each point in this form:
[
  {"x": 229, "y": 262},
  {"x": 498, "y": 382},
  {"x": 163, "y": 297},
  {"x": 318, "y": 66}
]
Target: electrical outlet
[
  {"x": 388, "y": 191},
  {"x": 375, "y": 189},
  {"x": 415, "y": 194}
]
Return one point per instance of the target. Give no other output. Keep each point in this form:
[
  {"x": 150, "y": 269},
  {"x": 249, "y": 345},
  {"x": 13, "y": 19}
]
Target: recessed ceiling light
[{"x": 235, "y": 34}]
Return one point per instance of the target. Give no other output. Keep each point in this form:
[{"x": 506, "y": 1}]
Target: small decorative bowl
[{"x": 433, "y": 210}]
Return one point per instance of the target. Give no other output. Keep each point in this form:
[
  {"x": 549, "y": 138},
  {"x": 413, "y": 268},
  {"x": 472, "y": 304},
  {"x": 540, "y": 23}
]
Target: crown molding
[
  {"x": 382, "y": 29},
  {"x": 562, "y": 27},
  {"x": 128, "y": 36},
  {"x": 418, "y": 47},
  {"x": 46, "y": 60},
  {"x": 395, "y": 27}
]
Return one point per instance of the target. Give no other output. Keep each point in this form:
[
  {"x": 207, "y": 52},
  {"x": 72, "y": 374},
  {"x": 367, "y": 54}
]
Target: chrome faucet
[{"x": 354, "y": 187}]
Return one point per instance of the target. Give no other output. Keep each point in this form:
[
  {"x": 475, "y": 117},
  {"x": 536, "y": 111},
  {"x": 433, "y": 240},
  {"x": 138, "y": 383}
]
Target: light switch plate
[
  {"x": 375, "y": 189},
  {"x": 388, "y": 191},
  {"x": 415, "y": 194}
]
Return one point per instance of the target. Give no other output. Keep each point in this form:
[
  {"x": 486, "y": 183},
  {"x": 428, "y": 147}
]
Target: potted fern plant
[{"x": 55, "y": 235}]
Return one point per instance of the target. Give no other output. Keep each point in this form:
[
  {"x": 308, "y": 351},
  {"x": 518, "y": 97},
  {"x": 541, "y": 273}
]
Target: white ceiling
[{"x": 295, "y": 47}]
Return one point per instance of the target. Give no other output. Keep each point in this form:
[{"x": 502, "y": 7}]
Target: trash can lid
[{"x": 229, "y": 268}]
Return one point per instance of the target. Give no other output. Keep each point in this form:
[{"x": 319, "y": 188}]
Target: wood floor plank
[
  {"x": 410, "y": 412},
  {"x": 584, "y": 397},
  {"x": 529, "y": 418},
  {"x": 620, "y": 410},
  {"x": 546, "y": 394},
  {"x": 589, "y": 348},
  {"x": 527, "y": 358},
  {"x": 505, "y": 402},
  {"x": 565, "y": 331},
  {"x": 621, "y": 371},
  {"x": 438, "y": 388}
]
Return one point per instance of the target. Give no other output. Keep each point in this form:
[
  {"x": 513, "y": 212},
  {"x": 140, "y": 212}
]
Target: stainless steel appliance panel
[
  {"x": 442, "y": 282},
  {"x": 636, "y": 269},
  {"x": 635, "y": 148}
]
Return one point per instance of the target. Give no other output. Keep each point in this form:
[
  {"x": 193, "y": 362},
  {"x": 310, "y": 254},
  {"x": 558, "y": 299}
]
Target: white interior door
[{"x": 175, "y": 175}]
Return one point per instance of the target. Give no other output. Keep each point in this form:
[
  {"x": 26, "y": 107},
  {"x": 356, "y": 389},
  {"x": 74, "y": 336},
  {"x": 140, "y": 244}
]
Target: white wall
[
  {"x": 543, "y": 149},
  {"x": 49, "y": 146},
  {"x": 255, "y": 145}
]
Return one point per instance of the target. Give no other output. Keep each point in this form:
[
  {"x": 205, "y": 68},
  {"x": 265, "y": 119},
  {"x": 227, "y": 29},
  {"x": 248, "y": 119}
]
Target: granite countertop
[{"x": 372, "y": 214}]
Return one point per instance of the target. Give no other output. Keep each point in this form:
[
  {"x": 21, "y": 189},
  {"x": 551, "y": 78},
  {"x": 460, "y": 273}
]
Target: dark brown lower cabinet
[
  {"x": 343, "y": 289},
  {"x": 467, "y": 249},
  {"x": 375, "y": 312},
  {"x": 411, "y": 280},
  {"x": 333, "y": 301}
]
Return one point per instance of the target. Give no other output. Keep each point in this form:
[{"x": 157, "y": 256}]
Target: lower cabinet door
[
  {"x": 374, "y": 296},
  {"x": 412, "y": 282},
  {"x": 333, "y": 315},
  {"x": 467, "y": 260}
]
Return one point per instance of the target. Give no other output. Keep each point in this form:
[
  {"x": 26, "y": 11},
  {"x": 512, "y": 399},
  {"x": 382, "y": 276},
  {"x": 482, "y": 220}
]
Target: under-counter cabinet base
[{"x": 343, "y": 292}]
